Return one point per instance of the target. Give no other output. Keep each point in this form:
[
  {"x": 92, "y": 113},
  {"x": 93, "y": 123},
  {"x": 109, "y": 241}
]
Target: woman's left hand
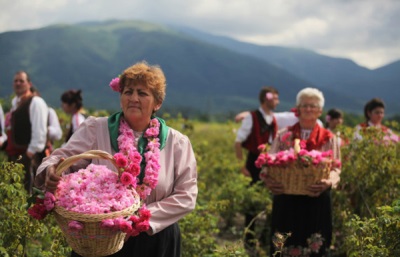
[{"x": 319, "y": 187}]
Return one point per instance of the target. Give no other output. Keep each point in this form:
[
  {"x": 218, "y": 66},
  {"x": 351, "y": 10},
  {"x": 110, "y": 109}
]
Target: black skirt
[
  {"x": 166, "y": 243},
  {"x": 308, "y": 219}
]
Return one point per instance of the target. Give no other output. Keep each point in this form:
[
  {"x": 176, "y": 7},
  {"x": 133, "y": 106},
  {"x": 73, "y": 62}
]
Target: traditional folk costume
[
  {"x": 27, "y": 131},
  {"x": 308, "y": 219}
]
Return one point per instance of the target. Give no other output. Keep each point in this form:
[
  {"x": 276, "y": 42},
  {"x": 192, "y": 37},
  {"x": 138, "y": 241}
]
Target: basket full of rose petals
[
  {"x": 296, "y": 168},
  {"x": 95, "y": 207}
]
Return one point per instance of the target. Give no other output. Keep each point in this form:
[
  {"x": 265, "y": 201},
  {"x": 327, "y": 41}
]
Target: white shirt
[
  {"x": 3, "y": 136},
  {"x": 38, "y": 113},
  {"x": 55, "y": 131},
  {"x": 77, "y": 119}
]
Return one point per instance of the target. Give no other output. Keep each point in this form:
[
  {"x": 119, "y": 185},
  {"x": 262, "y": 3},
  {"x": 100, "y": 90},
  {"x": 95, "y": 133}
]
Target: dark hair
[
  {"x": 333, "y": 114},
  {"x": 371, "y": 105},
  {"x": 28, "y": 78},
  {"x": 262, "y": 95},
  {"x": 72, "y": 97}
]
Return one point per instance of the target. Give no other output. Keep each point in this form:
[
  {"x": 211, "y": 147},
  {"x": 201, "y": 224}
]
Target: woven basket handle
[{"x": 91, "y": 154}]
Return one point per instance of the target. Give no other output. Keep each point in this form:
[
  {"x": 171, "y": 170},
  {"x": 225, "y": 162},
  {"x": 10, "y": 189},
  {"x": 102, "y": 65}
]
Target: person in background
[
  {"x": 27, "y": 131},
  {"x": 141, "y": 90},
  {"x": 53, "y": 126},
  {"x": 257, "y": 128},
  {"x": 71, "y": 103},
  {"x": 333, "y": 119},
  {"x": 3, "y": 135},
  {"x": 374, "y": 112},
  {"x": 307, "y": 217}
]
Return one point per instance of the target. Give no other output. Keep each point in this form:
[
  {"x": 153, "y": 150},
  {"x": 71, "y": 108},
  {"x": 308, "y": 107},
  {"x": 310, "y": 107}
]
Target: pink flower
[
  {"x": 74, "y": 225},
  {"x": 107, "y": 223},
  {"x": 145, "y": 213},
  {"x": 327, "y": 118},
  {"x": 49, "y": 201},
  {"x": 269, "y": 96},
  {"x": 121, "y": 160},
  {"x": 261, "y": 147},
  {"x": 151, "y": 132},
  {"x": 125, "y": 226},
  {"x": 315, "y": 246},
  {"x": 134, "y": 169},
  {"x": 337, "y": 164},
  {"x": 114, "y": 84},
  {"x": 303, "y": 144},
  {"x": 135, "y": 157},
  {"x": 295, "y": 252},
  {"x": 127, "y": 178}
]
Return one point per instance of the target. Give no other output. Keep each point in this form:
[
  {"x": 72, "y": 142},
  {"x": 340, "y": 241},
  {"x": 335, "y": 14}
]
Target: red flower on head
[{"x": 296, "y": 111}]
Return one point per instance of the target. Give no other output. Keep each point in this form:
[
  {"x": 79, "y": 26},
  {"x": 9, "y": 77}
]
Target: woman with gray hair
[{"x": 307, "y": 217}]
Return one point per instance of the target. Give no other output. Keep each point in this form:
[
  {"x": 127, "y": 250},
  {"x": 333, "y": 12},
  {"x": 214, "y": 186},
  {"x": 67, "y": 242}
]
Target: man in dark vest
[
  {"x": 27, "y": 134},
  {"x": 258, "y": 128}
]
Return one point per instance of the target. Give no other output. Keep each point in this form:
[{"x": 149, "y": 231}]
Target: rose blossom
[
  {"x": 49, "y": 201},
  {"x": 74, "y": 225}
]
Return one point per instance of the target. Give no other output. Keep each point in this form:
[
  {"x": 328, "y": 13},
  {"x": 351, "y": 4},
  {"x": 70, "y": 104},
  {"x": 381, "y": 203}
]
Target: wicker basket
[
  {"x": 92, "y": 240},
  {"x": 296, "y": 178}
]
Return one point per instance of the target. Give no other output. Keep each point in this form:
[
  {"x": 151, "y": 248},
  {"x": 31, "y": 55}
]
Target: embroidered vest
[{"x": 260, "y": 132}]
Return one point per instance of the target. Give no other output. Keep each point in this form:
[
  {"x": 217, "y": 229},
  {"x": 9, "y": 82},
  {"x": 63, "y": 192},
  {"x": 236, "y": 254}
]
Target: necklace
[{"x": 129, "y": 158}]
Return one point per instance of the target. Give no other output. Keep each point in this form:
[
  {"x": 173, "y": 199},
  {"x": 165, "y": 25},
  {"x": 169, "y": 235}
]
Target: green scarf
[{"x": 113, "y": 127}]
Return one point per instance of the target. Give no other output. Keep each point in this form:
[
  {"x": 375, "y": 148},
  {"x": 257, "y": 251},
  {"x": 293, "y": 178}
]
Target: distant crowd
[{"x": 30, "y": 128}]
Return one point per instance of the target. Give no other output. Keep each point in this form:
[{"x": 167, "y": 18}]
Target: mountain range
[{"x": 206, "y": 74}]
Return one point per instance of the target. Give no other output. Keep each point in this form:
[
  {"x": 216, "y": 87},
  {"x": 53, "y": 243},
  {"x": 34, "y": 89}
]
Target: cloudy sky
[{"x": 366, "y": 31}]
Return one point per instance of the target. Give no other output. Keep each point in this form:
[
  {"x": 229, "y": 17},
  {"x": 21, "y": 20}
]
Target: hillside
[
  {"x": 202, "y": 77},
  {"x": 337, "y": 74}
]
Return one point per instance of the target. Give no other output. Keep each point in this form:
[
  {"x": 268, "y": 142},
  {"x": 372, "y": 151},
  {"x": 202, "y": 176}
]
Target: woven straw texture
[
  {"x": 296, "y": 178},
  {"x": 92, "y": 240}
]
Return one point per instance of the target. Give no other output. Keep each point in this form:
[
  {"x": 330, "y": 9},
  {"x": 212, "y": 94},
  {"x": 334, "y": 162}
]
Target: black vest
[{"x": 21, "y": 124}]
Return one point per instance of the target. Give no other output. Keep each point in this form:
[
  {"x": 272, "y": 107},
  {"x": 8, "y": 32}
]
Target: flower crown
[{"x": 114, "y": 84}]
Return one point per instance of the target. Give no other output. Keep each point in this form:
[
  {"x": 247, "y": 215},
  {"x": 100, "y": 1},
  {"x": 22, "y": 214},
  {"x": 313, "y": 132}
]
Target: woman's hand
[
  {"x": 275, "y": 187},
  {"x": 319, "y": 187},
  {"x": 52, "y": 179}
]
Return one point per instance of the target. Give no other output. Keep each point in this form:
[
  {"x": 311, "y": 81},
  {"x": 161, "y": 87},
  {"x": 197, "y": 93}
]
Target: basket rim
[{"x": 91, "y": 154}]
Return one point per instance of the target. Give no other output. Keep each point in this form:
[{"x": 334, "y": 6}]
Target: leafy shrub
[
  {"x": 378, "y": 236},
  {"x": 21, "y": 235}
]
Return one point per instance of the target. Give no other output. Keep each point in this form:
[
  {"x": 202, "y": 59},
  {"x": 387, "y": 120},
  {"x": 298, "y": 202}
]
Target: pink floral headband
[{"x": 114, "y": 84}]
